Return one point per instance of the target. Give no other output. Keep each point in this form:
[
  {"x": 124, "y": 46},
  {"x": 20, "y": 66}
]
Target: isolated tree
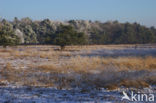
[
  {"x": 66, "y": 35},
  {"x": 7, "y": 36}
]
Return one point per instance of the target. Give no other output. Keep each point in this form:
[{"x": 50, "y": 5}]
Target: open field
[{"x": 91, "y": 73}]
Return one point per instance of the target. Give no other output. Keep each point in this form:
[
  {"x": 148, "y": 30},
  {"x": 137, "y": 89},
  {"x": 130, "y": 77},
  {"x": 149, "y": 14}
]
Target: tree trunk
[
  {"x": 62, "y": 48},
  {"x": 5, "y": 46}
]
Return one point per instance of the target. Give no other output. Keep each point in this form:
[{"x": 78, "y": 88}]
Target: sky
[{"x": 141, "y": 11}]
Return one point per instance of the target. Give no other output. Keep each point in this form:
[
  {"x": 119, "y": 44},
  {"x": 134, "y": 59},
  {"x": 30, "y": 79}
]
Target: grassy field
[{"x": 47, "y": 66}]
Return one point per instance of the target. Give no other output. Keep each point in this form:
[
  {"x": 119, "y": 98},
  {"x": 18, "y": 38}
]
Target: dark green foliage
[
  {"x": 25, "y": 25},
  {"x": 45, "y": 32},
  {"x": 117, "y": 33},
  {"x": 7, "y": 35},
  {"x": 66, "y": 35},
  {"x": 76, "y": 32}
]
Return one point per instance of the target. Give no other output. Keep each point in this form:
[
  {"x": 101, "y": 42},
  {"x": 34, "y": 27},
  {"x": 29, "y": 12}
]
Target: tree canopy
[
  {"x": 7, "y": 35},
  {"x": 66, "y": 35},
  {"x": 73, "y": 32}
]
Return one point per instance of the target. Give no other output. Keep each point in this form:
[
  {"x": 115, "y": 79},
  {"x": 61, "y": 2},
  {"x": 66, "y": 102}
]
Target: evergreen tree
[
  {"x": 66, "y": 35},
  {"x": 7, "y": 35}
]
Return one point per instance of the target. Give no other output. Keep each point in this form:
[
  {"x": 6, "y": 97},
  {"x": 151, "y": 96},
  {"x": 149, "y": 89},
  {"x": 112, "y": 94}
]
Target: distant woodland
[{"x": 73, "y": 32}]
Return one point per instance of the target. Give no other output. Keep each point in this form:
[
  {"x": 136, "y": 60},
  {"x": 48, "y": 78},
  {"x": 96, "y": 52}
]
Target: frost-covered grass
[
  {"x": 45, "y": 66},
  {"x": 78, "y": 67}
]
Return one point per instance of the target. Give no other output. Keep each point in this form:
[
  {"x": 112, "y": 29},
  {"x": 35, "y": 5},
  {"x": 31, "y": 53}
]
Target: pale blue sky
[{"x": 142, "y": 11}]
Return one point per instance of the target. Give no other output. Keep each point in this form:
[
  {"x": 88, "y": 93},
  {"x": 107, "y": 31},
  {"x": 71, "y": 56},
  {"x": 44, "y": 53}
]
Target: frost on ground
[
  {"x": 49, "y": 95},
  {"x": 43, "y": 74}
]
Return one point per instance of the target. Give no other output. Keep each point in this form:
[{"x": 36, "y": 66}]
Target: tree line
[{"x": 73, "y": 32}]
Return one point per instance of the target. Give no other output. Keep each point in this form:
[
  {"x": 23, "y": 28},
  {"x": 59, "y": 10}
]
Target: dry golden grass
[
  {"x": 43, "y": 52},
  {"x": 49, "y": 68},
  {"x": 8, "y": 72},
  {"x": 136, "y": 63},
  {"x": 84, "y": 64},
  {"x": 81, "y": 66},
  {"x": 134, "y": 83},
  {"x": 64, "y": 63},
  {"x": 24, "y": 77},
  {"x": 90, "y": 64},
  {"x": 53, "y": 51},
  {"x": 5, "y": 55},
  {"x": 95, "y": 47}
]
